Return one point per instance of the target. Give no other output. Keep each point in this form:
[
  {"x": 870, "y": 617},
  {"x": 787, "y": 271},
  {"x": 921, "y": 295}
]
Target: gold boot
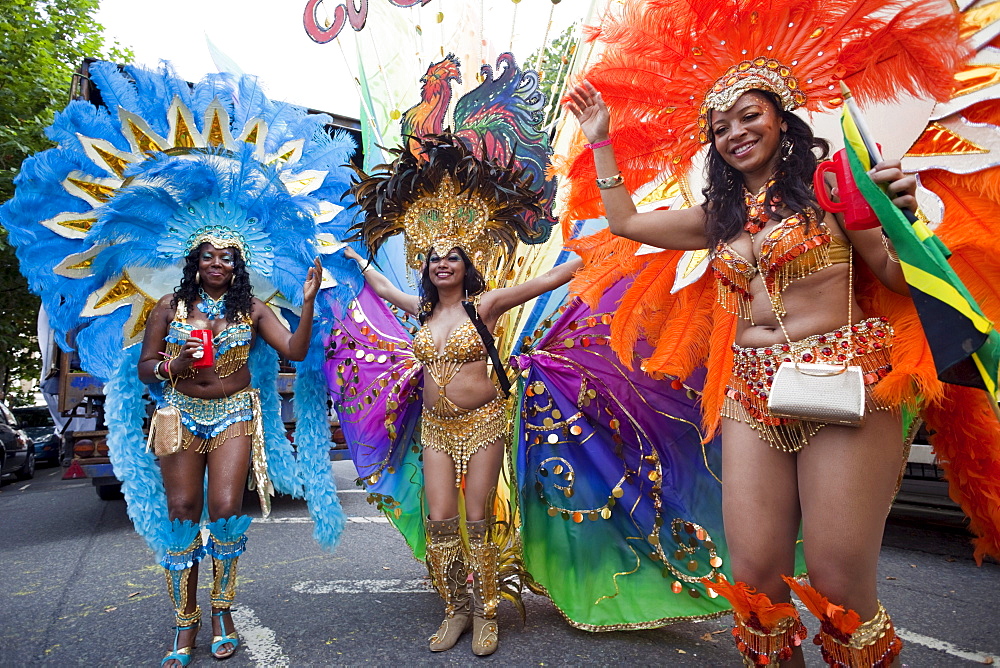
[
  {"x": 484, "y": 560},
  {"x": 449, "y": 574}
]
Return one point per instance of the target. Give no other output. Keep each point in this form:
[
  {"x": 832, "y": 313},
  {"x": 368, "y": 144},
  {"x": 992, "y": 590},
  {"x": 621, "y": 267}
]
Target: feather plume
[
  {"x": 751, "y": 605},
  {"x": 840, "y": 620},
  {"x": 661, "y": 57},
  {"x": 142, "y": 483},
  {"x": 312, "y": 439},
  {"x": 627, "y": 327},
  {"x": 965, "y": 435},
  {"x": 683, "y": 343},
  {"x": 607, "y": 259},
  {"x": 720, "y": 368},
  {"x": 282, "y": 467}
]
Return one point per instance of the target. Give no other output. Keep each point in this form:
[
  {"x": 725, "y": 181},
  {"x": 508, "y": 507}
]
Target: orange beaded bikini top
[{"x": 797, "y": 247}]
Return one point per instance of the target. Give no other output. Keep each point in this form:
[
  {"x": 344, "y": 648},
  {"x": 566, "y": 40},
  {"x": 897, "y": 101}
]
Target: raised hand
[
  {"x": 584, "y": 101},
  {"x": 313, "y": 279}
]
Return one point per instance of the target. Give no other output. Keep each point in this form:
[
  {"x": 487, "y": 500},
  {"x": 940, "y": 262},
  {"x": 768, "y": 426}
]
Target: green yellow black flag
[{"x": 964, "y": 343}]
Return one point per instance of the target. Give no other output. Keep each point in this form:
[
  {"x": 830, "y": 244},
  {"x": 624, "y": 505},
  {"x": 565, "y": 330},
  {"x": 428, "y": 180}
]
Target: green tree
[
  {"x": 552, "y": 63},
  {"x": 44, "y": 42}
]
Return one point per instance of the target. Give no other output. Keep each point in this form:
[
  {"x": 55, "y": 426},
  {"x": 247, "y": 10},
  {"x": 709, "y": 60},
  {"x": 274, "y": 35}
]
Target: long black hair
[
  {"x": 724, "y": 207},
  {"x": 473, "y": 283},
  {"x": 239, "y": 297}
]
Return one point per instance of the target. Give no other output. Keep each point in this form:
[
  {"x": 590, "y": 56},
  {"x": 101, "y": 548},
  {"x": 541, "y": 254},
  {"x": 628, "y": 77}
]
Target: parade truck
[{"x": 76, "y": 398}]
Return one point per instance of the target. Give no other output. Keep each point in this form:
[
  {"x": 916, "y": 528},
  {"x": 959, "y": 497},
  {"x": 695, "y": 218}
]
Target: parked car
[
  {"x": 37, "y": 423},
  {"x": 18, "y": 453}
]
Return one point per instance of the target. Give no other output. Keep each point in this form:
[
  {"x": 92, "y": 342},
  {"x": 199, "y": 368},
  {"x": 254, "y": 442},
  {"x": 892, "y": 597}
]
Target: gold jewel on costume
[
  {"x": 213, "y": 421},
  {"x": 446, "y": 197},
  {"x": 462, "y": 432},
  {"x": 213, "y": 308},
  {"x": 754, "y": 368},
  {"x": 231, "y": 345},
  {"x": 446, "y": 564},
  {"x": 184, "y": 550},
  {"x": 766, "y": 633},
  {"x": 484, "y": 562},
  {"x": 220, "y": 237},
  {"x": 448, "y": 428},
  {"x": 889, "y": 249},
  {"x": 608, "y": 182},
  {"x": 795, "y": 248},
  {"x": 843, "y": 638}
]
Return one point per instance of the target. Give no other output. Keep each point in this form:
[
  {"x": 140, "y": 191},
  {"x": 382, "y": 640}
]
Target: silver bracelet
[
  {"x": 156, "y": 370},
  {"x": 609, "y": 182}
]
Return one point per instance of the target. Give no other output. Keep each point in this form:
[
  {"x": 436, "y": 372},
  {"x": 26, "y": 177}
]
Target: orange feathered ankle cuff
[
  {"x": 765, "y": 632},
  {"x": 844, "y": 640}
]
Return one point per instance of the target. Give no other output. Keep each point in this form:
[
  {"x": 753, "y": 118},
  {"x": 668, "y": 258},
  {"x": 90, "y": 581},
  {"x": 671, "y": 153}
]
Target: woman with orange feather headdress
[{"x": 676, "y": 74}]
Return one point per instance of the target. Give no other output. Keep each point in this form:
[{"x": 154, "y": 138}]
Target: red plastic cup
[
  {"x": 208, "y": 359},
  {"x": 857, "y": 214}
]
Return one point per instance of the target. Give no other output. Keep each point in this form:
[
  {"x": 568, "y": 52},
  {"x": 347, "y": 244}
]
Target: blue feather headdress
[{"x": 102, "y": 222}]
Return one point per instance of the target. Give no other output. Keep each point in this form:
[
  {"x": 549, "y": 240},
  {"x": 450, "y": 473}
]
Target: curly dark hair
[
  {"x": 239, "y": 297},
  {"x": 724, "y": 207},
  {"x": 474, "y": 284}
]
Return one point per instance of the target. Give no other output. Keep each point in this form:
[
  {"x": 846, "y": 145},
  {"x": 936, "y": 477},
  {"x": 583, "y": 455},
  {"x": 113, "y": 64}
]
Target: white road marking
[
  {"x": 378, "y": 519},
  {"x": 390, "y": 586},
  {"x": 259, "y": 641},
  {"x": 21, "y": 489},
  {"x": 946, "y": 647}
]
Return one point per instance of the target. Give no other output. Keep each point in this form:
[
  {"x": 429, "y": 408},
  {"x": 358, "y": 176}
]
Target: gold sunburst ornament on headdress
[{"x": 444, "y": 197}]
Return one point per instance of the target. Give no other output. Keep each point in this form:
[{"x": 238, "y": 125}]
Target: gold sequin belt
[
  {"x": 462, "y": 432},
  {"x": 867, "y": 344}
]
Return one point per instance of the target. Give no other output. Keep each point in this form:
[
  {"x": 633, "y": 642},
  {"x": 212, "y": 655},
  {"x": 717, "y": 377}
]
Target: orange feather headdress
[{"x": 667, "y": 63}]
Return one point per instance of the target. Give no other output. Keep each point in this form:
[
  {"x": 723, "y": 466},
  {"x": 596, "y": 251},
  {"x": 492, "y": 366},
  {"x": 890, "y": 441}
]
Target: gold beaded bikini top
[
  {"x": 231, "y": 345},
  {"x": 462, "y": 346},
  {"x": 795, "y": 248}
]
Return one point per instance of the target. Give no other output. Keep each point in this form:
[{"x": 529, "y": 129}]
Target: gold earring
[{"x": 197, "y": 277}]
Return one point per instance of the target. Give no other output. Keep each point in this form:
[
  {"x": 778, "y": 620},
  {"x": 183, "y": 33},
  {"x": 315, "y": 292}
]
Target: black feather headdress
[{"x": 443, "y": 196}]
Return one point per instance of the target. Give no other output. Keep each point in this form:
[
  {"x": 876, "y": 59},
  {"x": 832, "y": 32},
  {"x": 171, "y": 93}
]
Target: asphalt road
[{"x": 78, "y": 586}]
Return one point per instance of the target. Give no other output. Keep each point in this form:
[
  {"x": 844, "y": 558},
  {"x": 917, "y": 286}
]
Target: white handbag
[{"x": 830, "y": 393}]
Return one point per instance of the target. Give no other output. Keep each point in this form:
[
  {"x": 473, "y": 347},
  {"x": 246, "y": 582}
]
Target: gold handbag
[
  {"x": 165, "y": 437},
  {"x": 830, "y": 393}
]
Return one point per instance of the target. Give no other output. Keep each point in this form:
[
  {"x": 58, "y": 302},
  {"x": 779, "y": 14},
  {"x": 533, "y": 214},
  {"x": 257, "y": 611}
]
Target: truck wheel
[
  {"x": 110, "y": 492},
  {"x": 27, "y": 470}
]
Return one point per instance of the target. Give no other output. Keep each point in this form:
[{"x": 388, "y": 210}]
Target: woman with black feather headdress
[{"x": 462, "y": 218}]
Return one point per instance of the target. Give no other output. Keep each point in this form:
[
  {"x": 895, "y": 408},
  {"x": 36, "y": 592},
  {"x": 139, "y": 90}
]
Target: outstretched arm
[
  {"x": 383, "y": 287},
  {"x": 293, "y": 346},
  {"x": 495, "y": 302},
  {"x": 681, "y": 229}
]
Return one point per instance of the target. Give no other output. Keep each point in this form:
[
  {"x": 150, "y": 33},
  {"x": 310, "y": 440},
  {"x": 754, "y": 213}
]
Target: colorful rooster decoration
[{"x": 499, "y": 119}]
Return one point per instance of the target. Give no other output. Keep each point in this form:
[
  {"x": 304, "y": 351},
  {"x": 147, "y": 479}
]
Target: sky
[{"x": 267, "y": 38}]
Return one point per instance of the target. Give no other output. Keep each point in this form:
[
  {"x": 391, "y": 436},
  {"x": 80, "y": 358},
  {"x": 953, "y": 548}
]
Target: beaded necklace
[
  {"x": 757, "y": 215},
  {"x": 213, "y": 308}
]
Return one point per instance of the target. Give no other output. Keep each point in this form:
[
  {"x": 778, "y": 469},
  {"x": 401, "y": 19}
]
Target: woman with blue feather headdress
[{"x": 220, "y": 199}]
